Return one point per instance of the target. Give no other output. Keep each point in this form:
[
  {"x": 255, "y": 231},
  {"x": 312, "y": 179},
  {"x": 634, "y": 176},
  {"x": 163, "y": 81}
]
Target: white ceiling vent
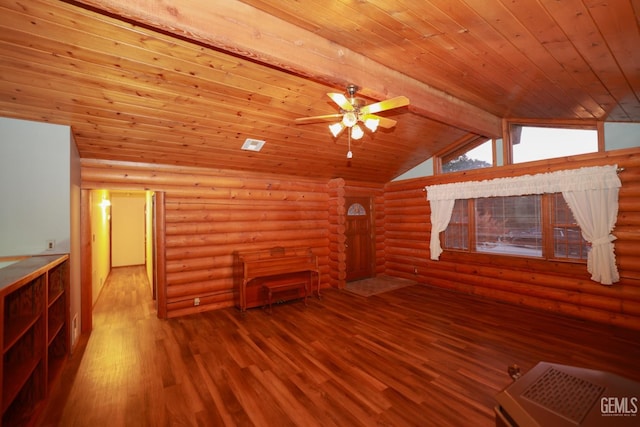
[{"x": 252, "y": 144}]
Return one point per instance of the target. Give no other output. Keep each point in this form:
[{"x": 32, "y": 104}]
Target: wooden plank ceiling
[{"x": 186, "y": 82}]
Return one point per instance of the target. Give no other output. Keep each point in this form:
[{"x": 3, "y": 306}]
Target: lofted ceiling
[{"x": 185, "y": 82}]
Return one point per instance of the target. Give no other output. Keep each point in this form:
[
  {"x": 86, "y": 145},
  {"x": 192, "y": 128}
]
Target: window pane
[
  {"x": 567, "y": 237},
  {"x": 456, "y": 235},
  {"x": 531, "y": 143},
  {"x": 356, "y": 209},
  {"x": 479, "y": 157},
  {"x": 509, "y": 225}
]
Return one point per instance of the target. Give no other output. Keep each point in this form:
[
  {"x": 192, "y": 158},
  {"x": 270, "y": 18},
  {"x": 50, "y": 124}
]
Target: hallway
[{"x": 113, "y": 371}]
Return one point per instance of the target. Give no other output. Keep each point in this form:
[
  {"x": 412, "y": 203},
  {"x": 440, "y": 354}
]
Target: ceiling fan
[{"x": 354, "y": 111}]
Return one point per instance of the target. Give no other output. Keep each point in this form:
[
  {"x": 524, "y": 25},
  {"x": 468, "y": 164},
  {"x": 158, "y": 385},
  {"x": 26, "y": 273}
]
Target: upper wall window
[
  {"x": 475, "y": 156},
  {"x": 530, "y": 143}
]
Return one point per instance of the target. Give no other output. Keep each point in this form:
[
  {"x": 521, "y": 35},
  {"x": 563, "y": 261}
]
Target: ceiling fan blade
[
  {"x": 387, "y": 104},
  {"x": 383, "y": 122},
  {"x": 315, "y": 119},
  {"x": 342, "y": 101}
]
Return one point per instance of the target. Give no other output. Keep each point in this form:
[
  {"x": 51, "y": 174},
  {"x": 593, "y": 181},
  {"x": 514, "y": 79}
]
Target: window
[
  {"x": 529, "y": 143},
  {"x": 581, "y": 189},
  {"x": 356, "y": 209},
  {"x": 474, "y": 156},
  {"x": 510, "y": 225},
  {"x": 516, "y": 225},
  {"x": 567, "y": 237},
  {"x": 457, "y": 235}
]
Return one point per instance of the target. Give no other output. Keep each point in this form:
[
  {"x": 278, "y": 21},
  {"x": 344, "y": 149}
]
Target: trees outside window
[{"x": 475, "y": 156}]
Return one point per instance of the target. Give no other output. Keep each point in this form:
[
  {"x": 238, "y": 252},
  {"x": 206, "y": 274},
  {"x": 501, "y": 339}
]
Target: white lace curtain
[{"x": 590, "y": 192}]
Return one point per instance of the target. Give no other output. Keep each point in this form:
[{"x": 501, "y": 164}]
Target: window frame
[
  {"x": 460, "y": 147},
  {"x": 547, "y": 220},
  {"x": 508, "y": 137},
  {"x": 454, "y": 154}
]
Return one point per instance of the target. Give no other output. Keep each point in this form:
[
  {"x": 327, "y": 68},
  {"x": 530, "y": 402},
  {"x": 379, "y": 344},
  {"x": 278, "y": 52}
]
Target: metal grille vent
[{"x": 566, "y": 395}]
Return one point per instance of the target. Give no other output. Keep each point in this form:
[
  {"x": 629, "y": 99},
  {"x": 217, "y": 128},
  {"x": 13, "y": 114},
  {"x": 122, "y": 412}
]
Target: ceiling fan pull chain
[{"x": 349, "y": 153}]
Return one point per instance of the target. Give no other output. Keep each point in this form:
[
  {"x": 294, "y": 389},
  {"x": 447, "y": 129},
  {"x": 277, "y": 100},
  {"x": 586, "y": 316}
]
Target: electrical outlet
[
  {"x": 196, "y": 301},
  {"x": 51, "y": 244}
]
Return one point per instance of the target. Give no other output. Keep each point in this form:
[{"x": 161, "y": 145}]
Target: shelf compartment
[
  {"x": 56, "y": 318},
  {"x": 21, "y": 361},
  {"x": 26, "y": 399},
  {"x": 58, "y": 277},
  {"x": 57, "y": 354},
  {"x": 21, "y": 309}
]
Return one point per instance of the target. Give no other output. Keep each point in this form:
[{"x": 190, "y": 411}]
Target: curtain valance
[{"x": 587, "y": 178}]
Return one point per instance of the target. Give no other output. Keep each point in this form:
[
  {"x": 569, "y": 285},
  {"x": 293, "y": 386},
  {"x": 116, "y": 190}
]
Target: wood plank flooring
[{"x": 414, "y": 356}]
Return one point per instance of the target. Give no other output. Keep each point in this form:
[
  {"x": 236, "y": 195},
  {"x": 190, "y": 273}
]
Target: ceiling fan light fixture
[
  {"x": 357, "y": 132},
  {"x": 349, "y": 119},
  {"x": 336, "y": 128},
  {"x": 354, "y": 111},
  {"x": 372, "y": 124}
]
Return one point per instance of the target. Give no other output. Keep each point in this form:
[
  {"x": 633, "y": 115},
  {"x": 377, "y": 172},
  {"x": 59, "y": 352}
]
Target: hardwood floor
[{"x": 412, "y": 356}]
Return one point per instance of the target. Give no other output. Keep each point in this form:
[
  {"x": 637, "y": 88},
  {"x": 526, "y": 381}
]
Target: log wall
[
  {"x": 209, "y": 214},
  {"x": 561, "y": 287},
  {"x": 337, "y": 238}
]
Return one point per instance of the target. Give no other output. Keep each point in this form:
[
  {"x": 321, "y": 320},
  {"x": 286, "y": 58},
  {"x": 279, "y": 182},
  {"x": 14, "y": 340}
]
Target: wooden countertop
[{"x": 15, "y": 275}]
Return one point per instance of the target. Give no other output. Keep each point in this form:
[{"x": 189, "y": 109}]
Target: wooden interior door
[{"x": 359, "y": 238}]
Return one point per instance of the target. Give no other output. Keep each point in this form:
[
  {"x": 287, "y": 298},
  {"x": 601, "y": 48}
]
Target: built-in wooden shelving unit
[{"x": 34, "y": 332}]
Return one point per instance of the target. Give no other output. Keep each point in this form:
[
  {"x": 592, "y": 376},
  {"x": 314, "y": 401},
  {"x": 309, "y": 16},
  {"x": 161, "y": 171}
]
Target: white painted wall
[
  {"x": 127, "y": 229},
  {"x": 35, "y": 192},
  {"x": 40, "y": 196}
]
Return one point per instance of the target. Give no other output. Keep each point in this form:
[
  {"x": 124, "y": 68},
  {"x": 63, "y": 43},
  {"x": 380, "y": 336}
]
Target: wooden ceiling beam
[{"x": 240, "y": 29}]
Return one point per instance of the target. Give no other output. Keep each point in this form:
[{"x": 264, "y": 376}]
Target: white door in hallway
[{"x": 127, "y": 229}]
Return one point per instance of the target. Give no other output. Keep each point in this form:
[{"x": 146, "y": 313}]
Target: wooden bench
[
  {"x": 257, "y": 269},
  {"x": 277, "y": 287}
]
